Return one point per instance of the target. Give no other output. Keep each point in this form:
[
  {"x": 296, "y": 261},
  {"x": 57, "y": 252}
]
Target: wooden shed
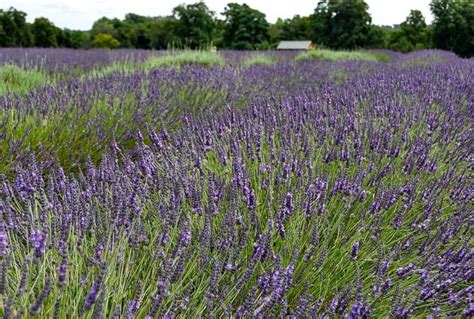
[{"x": 295, "y": 45}]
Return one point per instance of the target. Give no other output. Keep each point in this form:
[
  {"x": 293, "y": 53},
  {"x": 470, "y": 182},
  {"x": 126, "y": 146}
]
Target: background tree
[
  {"x": 195, "y": 25},
  {"x": 45, "y": 33},
  {"x": 453, "y": 25},
  {"x": 135, "y": 31},
  {"x": 23, "y": 35},
  {"x": 296, "y": 28},
  {"x": 7, "y": 35},
  {"x": 413, "y": 34},
  {"x": 103, "y": 40},
  {"x": 162, "y": 33},
  {"x": 14, "y": 30},
  {"x": 77, "y": 39},
  {"x": 342, "y": 24},
  {"x": 245, "y": 28},
  {"x": 378, "y": 36},
  {"x": 104, "y": 26}
]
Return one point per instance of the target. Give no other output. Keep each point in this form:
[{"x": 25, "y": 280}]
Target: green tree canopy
[
  {"x": 342, "y": 24},
  {"x": 413, "y": 34},
  {"x": 296, "y": 28},
  {"x": 105, "y": 26},
  {"x": 103, "y": 40},
  {"x": 195, "y": 24},
  {"x": 14, "y": 30},
  {"x": 45, "y": 33},
  {"x": 163, "y": 33},
  {"x": 453, "y": 25},
  {"x": 245, "y": 28},
  {"x": 77, "y": 39}
]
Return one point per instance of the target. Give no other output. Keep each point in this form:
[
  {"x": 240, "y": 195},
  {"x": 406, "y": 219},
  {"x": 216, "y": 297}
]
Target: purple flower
[
  {"x": 185, "y": 237},
  {"x": 402, "y": 271},
  {"x": 94, "y": 290},
  {"x": 3, "y": 243},
  {"x": 359, "y": 310},
  {"x": 38, "y": 241},
  {"x": 35, "y": 308},
  {"x": 62, "y": 273},
  {"x": 355, "y": 250}
]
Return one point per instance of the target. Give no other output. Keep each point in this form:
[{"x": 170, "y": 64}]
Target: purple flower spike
[
  {"x": 355, "y": 251},
  {"x": 38, "y": 241},
  {"x": 3, "y": 243}
]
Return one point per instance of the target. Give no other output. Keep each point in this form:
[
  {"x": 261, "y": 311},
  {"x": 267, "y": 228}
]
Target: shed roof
[{"x": 294, "y": 45}]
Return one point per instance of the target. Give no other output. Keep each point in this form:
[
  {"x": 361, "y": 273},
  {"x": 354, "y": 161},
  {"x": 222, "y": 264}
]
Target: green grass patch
[
  {"x": 258, "y": 59},
  {"x": 186, "y": 57},
  {"x": 14, "y": 79},
  {"x": 331, "y": 55},
  {"x": 115, "y": 67}
]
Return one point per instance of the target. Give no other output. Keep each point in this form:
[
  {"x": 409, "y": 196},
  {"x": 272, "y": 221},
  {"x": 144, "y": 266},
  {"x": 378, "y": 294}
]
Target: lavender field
[{"x": 142, "y": 184}]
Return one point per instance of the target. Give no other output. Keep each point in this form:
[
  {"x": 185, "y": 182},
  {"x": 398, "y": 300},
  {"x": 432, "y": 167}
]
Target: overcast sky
[{"x": 80, "y": 14}]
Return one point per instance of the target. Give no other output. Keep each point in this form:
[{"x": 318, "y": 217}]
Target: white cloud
[{"x": 80, "y": 14}]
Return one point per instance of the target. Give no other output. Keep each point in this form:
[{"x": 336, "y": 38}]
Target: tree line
[{"x": 335, "y": 24}]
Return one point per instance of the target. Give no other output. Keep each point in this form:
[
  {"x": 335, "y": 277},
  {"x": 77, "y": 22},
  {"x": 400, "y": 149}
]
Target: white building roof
[{"x": 294, "y": 45}]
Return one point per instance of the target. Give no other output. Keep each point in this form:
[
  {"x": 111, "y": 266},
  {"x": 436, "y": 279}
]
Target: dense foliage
[
  {"x": 287, "y": 189},
  {"x": 453, "y": 28},
  {"x": 413, "y": 34},
  {"x": 245, "y": 28},
  {"x": 342, "y": 24},
  {"x": 337, "y": 24}
]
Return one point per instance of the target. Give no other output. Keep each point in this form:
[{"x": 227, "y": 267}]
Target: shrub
[
  {"x": 186, "y": 57},
  {"x": 107, "y": 41},
  {"x": 258, "y": 59},
  {"x": 340, "y": 56},
  {"x": 14, "y": 79}
]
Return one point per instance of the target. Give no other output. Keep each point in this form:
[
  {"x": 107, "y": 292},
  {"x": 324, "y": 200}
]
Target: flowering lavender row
[
  {"x": 63, "y": 59},
  {"x": 309, "y": 190}
]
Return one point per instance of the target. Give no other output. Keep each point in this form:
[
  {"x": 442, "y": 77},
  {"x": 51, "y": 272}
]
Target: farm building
[{"x": 295, "y": 45}]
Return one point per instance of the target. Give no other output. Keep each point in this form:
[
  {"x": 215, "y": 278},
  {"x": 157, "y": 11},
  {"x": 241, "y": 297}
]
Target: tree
[
  {"x": 245, "y": 28},
  {"x": 453, "y": 25},
  {"x": 14, "y": 31},
  {"x": 413, "y": 34},
  {"x": 134, "y": 31},
  {"x": 378, "y": 36},
  {"x": 23, "y": 35},
  {"x": 342, "y": 24},
  {"x": 7, "y": 36},
  {"x": 103, "y": 40},
  {"x": 77, "y": 39},
  {"x": 195, "y": 24},
  {"x": 296, "y": 28},
  {"x": 45, "y": 33},
  {"x": 104, "y": 26},
  {"x": 162, "y": 33},
  {"x": 416, "y": 30}
]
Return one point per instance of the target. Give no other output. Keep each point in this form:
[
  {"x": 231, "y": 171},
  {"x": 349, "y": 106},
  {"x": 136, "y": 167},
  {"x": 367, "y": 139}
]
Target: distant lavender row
[
  {"x": 265, "y": 81},
  {"x": 62, "y": 59}
]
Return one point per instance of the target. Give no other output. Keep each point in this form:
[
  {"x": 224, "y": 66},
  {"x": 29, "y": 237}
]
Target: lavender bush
[{"x": 296, "y": 190}]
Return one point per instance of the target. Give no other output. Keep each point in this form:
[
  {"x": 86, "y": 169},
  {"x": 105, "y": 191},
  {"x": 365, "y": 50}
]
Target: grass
[
  {"x": 331, "y": 55},
  {"x": 14, "y": 79},
  {"x": 121, "y": 67},
  {"x": 258, "y": 59},
  {"x": 187, "y": 57}
]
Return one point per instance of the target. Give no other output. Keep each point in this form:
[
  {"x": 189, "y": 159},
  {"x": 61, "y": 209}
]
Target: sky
[{"x": 81, "y": 14}]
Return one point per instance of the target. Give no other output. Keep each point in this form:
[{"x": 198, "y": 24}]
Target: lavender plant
[{"x": 294, "y": 190}]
